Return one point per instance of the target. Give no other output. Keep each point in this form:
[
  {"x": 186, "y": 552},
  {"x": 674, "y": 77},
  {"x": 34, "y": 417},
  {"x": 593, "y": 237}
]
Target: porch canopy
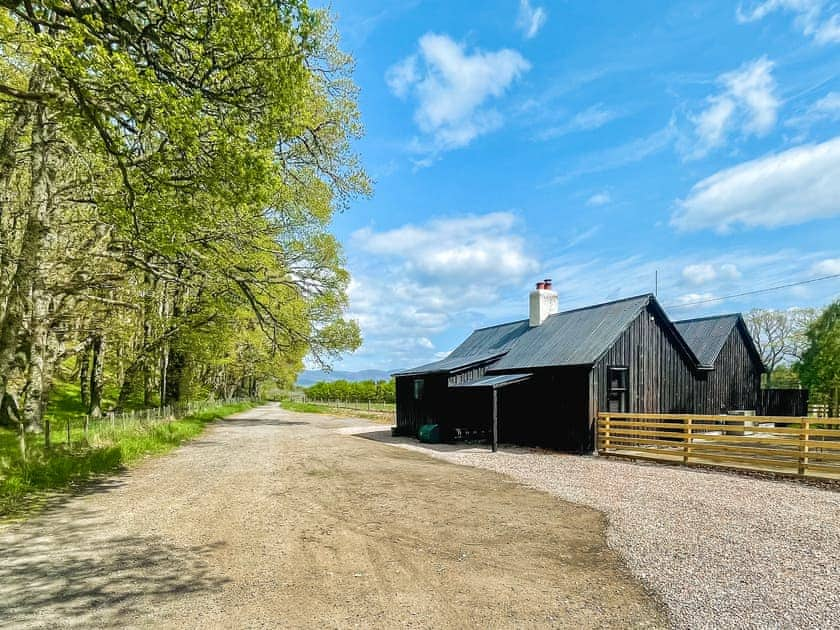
[{"x": 494, "y": 383}]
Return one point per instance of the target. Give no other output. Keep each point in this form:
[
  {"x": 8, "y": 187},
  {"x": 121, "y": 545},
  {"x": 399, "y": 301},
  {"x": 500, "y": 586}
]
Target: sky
[{"x": 591, "y": 143}]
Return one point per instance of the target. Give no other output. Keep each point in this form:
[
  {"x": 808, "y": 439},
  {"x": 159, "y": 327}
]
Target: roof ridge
[
  {"x": 701, "y": 319},
  {"x": 516, "y": 321},
  {"x": 584, "y": 308}
]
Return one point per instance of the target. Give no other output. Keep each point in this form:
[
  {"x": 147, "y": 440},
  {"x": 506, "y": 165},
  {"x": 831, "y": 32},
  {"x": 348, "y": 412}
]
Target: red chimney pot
[{"x": 540, "y": 286}]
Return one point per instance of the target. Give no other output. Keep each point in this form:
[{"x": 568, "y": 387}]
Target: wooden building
[{"x": 543, "y": 380}]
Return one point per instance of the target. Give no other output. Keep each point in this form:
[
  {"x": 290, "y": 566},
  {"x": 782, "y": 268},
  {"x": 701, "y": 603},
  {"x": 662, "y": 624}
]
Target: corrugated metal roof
[
  {"x": 577, "y": 337},
  {"x": 706, "y": 335},
  {"x": 484, "y": 344},
  {"x": 495, "y": 381}
]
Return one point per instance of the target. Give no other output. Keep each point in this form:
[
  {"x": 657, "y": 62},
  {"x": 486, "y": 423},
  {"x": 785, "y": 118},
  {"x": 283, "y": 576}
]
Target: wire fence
[
  {"x": 357, "y": 405},
  {"x": 111, "y": 423}
]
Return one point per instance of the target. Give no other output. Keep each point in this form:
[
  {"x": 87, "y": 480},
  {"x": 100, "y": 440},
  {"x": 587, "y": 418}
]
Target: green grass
[
  {"x": 305, "y": 407},
  {"x": 106, "y": 449},
  {"x": 381, "y": 417}
]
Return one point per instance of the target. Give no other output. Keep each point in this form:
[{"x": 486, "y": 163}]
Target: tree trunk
[
  {"x": 96, "y": 375},
  {"x": 148, "y": 304},
  {"x": 84, "y": 375},
  {"x": 174, "y": 375},
  {"x": 9, "y": 144},
  {"x": 164, "y": 368},
  {"x": 9, "y": 412},
  {"x": 36, "y": 382},
  {"x": 28, "y": 301}
]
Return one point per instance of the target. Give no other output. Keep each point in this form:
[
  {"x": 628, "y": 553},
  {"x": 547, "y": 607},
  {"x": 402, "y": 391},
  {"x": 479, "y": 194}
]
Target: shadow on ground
[{"x": 82, "y": 575}]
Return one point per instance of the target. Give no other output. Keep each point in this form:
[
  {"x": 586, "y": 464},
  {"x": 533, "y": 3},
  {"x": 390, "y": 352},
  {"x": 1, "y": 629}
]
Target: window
[
  {"x": 617, "y": 389},
  {"x": 418, "y": 388}
]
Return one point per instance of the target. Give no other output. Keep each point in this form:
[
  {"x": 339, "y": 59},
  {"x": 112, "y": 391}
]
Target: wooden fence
[{"x": 806, "y": 447}]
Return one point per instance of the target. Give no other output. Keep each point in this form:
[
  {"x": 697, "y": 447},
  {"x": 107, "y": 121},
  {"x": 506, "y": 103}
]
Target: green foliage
[
  {"x": 358, "y": 391},
  {"x": 21, "y": 483},
  {"x": 819, "y": 368},
  {"x": 302, "y": 407},
  {"x": 197, "y": 153},
  {"x": 785, "y": 377}
]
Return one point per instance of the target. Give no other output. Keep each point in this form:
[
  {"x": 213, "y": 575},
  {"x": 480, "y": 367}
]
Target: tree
[
  {"x": 168, "y": 173},
  {"x": 819, "y": 368},
  {"x": 779, "y": 336}
]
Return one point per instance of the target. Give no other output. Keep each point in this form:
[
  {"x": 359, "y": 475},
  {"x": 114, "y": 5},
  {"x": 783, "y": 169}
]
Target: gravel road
[
  {"x": 276, "y": 519},
  {"x": 720, "y": 550}
]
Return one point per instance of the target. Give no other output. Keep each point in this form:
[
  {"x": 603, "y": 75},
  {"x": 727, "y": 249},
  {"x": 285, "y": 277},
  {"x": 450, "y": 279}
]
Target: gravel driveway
[
  {"x": 721, "y": 551},
  {"x": 277, "y": 520}
]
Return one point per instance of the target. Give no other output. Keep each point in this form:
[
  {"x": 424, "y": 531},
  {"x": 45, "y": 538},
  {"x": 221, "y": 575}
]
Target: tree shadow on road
[{"x": 66, "y": 569}]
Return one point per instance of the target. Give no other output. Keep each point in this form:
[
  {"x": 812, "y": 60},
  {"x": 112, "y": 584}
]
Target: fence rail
[
  {"x": 805, "y": 447},
  {"x": 84, "y": 428},
  {"x": 357, "y": 405}
]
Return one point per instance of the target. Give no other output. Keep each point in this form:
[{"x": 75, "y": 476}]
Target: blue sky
[{"x": 591, "y": 143}]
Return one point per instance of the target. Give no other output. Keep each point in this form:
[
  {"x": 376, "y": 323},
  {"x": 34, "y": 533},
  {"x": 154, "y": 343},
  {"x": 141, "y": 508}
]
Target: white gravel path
[{"x": 720, "y": 550}]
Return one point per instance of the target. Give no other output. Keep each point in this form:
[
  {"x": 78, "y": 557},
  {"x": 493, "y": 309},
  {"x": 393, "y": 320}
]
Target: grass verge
[
  {"x": 381, "y": 417},
  {"x": 23, "y": 484}
]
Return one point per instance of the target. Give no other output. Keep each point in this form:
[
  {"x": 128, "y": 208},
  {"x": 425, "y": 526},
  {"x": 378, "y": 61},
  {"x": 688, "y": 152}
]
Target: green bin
[{"x": 429, "y": 433}]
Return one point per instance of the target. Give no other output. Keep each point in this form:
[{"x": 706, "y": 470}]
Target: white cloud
[
  {"x": 699, "y": 274},
  {"x": 580, "y": 237},
  {"x": 416, "y": 280},
  {"x": 825, "y": 109},
  {"x": 402, "y": 75},
  {"x": 450, "y": 87},
  {"x": 704, "y": 273},
  {"x": 530, "y": 19},
  {"x": 690, "y": 299},
  {"x": 401, "y": 308},
  {"x": 795, "y": 186},
  {"x": 827, "y": 267},
  {"x": 729, "y": 271},
  {"x": 621, "y": 155},
  {"x": 747, "y": 103},
  {"x": 812, "y": 18},
  {"x": 463, "y": 247},
  {"x": 599, "y": 199},
  {"x": 592, "y": 117}
]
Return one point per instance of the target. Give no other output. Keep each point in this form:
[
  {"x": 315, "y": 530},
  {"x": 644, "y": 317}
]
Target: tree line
[
  {"x": 801, "y": 348},
  {"x": 353, "y": 391},
  {"x": 168, "y": 174}
]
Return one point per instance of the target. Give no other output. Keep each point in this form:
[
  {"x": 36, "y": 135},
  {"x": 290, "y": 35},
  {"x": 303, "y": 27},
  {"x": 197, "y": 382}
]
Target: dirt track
[{"x": 275, "y": 519}]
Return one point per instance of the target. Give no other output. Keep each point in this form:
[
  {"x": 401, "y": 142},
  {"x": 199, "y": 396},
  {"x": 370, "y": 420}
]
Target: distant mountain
[{"x": 310, "y": 377}]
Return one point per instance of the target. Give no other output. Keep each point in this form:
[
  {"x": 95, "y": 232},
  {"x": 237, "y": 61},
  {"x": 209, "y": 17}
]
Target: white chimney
[{"x": 543, "y": 302}]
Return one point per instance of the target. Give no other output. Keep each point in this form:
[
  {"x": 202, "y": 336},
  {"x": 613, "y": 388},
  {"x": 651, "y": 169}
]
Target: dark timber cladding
[{"x": 543, "y": 382}]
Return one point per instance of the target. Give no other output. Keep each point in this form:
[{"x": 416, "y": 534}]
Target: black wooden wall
[
  {"x": 735, "y": 383},
  {"x": 662, "y": 379},
  {"x": 549, "y": 410},
  {"x": 411, "y": 413}
]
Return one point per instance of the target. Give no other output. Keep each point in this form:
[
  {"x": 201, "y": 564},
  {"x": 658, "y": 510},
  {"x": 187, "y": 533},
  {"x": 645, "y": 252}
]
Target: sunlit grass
[{"x": 106, "y": 447}]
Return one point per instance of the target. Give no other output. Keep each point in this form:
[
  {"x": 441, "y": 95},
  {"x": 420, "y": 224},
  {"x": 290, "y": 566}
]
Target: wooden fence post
[
  {"x": 47, "y": 443},
  {"x": 606, "y": 433},
  {"x": 687, "y": 441},
  {"x": 803, "y": 446}
]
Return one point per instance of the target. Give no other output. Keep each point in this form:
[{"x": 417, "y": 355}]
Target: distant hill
[{"x": 310, "y": 377}]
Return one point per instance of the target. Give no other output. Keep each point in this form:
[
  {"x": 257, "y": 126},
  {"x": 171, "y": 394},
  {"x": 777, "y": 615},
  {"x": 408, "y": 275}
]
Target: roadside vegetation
[
  {"x": 105, "y": 447},
  {"x": 353, "y": 391},
  {"x": 383, "y": 413},
  {"x": 801, "y": 348},
  {"x": 168, "y": 176}
]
